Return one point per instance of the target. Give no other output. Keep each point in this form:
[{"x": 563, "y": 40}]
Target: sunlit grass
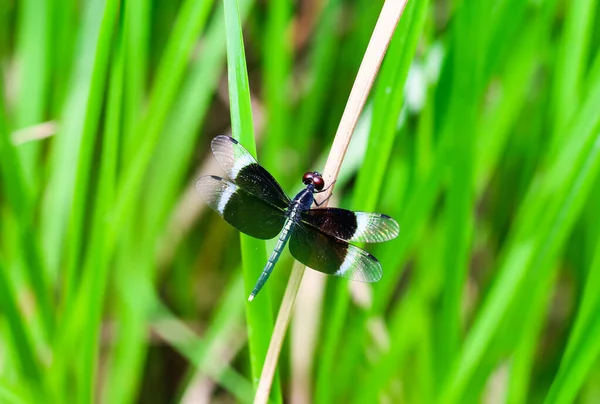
[{"x": 482, "y": 139}]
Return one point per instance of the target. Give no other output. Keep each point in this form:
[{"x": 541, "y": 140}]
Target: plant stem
[{"x": 380, "y": 39}]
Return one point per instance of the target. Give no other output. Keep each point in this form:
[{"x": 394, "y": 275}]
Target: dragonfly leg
[
  {"x": 326, "y": 188},
  {"x": 323, "y": 190},
  {"x": 324, "y": 200}
]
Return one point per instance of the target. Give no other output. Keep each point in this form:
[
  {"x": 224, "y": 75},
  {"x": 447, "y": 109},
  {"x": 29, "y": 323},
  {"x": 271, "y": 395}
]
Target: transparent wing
[
  {"x": 244, "y": 170},
  {"x": 333, "y": 256},
  {"x": 244, "y": 211},
  {"x": 353, "y": 226}
]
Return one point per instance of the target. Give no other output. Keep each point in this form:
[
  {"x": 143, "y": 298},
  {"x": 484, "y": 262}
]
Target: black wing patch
[
  {"x": 244, "y": 211},
  {"x": 333, "y": 256},
  {"x": 243, "y": 169},
  {"x": 352, "y": 226}
]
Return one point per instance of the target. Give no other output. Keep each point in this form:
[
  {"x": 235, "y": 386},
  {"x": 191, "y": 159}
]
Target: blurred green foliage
[{"x": 481, "y": 137}]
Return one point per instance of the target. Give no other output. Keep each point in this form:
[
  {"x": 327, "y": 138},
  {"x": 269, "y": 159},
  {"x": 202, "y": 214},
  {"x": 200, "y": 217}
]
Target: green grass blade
[
  {"x": 29, "y": 363},
  {"x": 204, "y": 353},
  {"x": 18, "y": 195},
  {"x": 277, "y": 58},
  {"x": 76, "y": 247},
  {"x": 583, "y": 347},
  {"x": 65, "y": 146},
  {"x": 96, "y": 270},
  {"x": 258, "y": 312},
  {"x": 574, "y": 52},
  {"x": 15, "y": 395},
  {"x": 33, "y": 53},
  {"x": 137, "y": 29},
  {"x": 550, "y": 209},
  {"x": 188, "y": 115},
  {"x": 116, "y": 286},
  {"x": 524, "y": 355},
  {"x": 64, "y": 21},
  {"x": 77, "y": 219},
  {"x": 468, "y": 33},
  {"x": 190, "y": 22},
  {"x": 322, "y": 64},
  {"x": 133, "y": 309},
  {"x": 372, "y": 172}
]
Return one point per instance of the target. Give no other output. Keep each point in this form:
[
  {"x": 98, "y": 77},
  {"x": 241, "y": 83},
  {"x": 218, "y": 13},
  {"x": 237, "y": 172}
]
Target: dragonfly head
[{"x": 314, "y": 178}]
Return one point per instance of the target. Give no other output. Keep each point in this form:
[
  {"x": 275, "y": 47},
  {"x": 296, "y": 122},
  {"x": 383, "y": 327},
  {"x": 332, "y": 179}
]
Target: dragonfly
[{"x": 255, "y": 204}]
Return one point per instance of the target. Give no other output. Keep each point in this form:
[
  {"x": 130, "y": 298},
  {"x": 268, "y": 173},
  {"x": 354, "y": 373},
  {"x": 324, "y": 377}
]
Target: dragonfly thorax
[{"x": 304, "y": 199}]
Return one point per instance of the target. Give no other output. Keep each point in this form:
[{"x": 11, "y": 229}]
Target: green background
[{"x": 481, "y": 137}]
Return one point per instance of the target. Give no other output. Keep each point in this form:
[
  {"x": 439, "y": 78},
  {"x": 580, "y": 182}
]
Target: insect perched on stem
[{"x": 255, "y": 204}]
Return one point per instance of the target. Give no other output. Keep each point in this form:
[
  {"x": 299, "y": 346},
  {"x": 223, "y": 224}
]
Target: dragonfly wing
[
  {"x": 352, "y": 226},
  {"x": 333, "y": 256},
  {"x": 246, "y": 212},
  {"x": 245, "y": 171}
]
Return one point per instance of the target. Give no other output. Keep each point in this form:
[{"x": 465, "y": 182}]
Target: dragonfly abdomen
[{"x": 281, "y": 242}]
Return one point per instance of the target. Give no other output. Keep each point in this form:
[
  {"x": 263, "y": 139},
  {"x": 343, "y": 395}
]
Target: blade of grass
[
  {"x": 276, "y": 342},
  {"x": 404, "y": 325},
  {"x": 77, "y": 218},
  {"x": 228, "y": 315},
  {"x": 65, "y": 146},
  {"x": 322, "y": 63},
  {"x": 133, "y": 307},
  {"x": 190, "y": 22},
  {"x": 10, "y": 394},
  {"x": 5, "y": 30},
  {"x": 421, "y": 201},
  {"x": 258, "y": 312},
  {"x": 380, "y": 39},
  {"x": 498, "y": 122},
  {"x": 277, "y": 59},
  {"x": 18, "y": 195},
  {"x": 583, "y": 348},
  {"x": 390, "y": 351},
  {"x": 137, "y": 29},
  {"x": 26, "y": 356},
  {"x": 187, "y": 117},
  {"x": 388, "y": 102},
  {"x": 532, "y": 295},
  {"x": 413, "y": 218},
  {"x": 571, "y": 62},
  {"x": 191, "y": 19},
  {"x": 545, "y": 219},
  {"x": 524, "y": 355},
  {"x": 33, "y": 54},
  {"x": 96, "y": 272},
  {"x": 469, "y": 32},
  {"x": 64, "y": 24},
  {"x": 305, "y": 334},
  {"x": 92, "y": 279}
]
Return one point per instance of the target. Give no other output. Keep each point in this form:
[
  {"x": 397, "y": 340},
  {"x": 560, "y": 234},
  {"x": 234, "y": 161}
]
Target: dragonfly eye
[
  {"x": 319, "y": 182},
  {"x": 308, "y": 178}
]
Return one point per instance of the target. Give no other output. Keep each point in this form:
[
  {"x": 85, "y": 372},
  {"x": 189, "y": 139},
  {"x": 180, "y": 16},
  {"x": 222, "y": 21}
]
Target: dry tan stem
[{"x": 380, "y": 39}]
